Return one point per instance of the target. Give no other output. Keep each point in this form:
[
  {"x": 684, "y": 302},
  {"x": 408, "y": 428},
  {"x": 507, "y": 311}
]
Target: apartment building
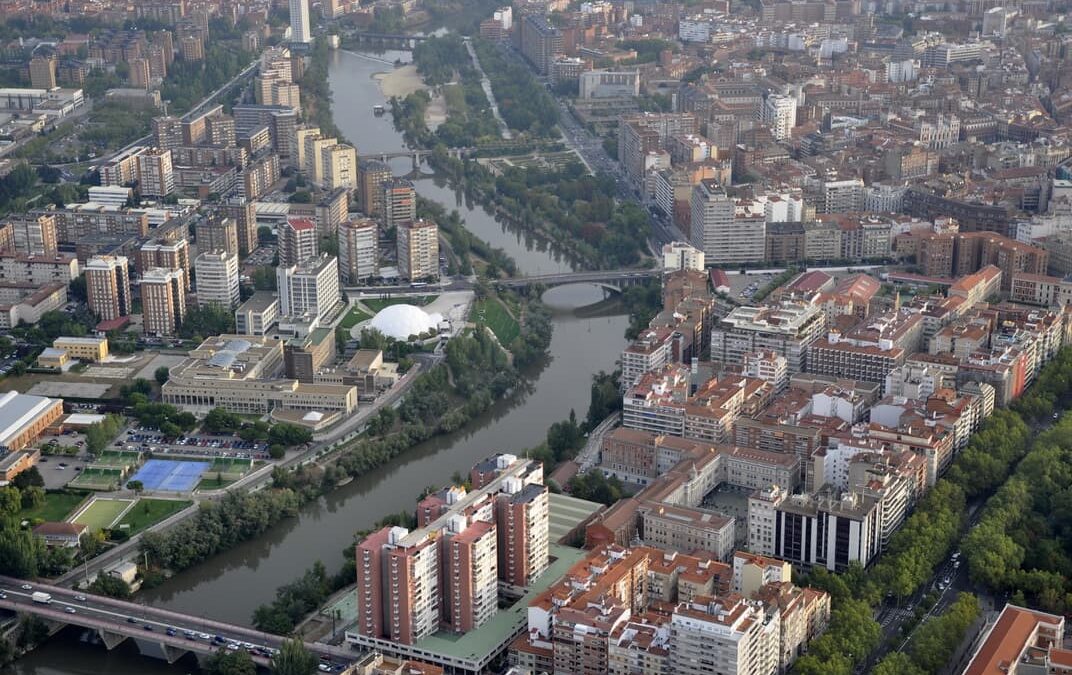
[
  {"x": 522, "y": 516},
  {"x": 339, "y": 168},
  {"x": 244, "y": 216},
  {"x": 108, "y": 287},
  {"x": 788, "y": 329},
  {"x": 36, "y": 269},
  {"x": 686, "y": 529},
  {"x": 163, "y": 301},
  {"x": 651, "y": 350},
  {"x": 871, "y": 350},
  {"x": 1021, "y": 642},
  {"x": 156, "y": 176},
  {"x": 725, "y": 634},
  {"x": 33, "y": 233},
  {"x": 217, "y": 234},
  {"x": 310, "y": 288},
  {"x": 359, "y": 250},
  {"x": 645, "y": 133},
  {"x": 298, "y": 241},
  {"x": 470, "y": 574},
  {"x": 79, "y": 221},
  {"x": 779, "y": 113},
  {"x": 726, "y": 232},
  {"x": 399, "y": 202},
  {"x": 171, "y": 254},
  {"x": 418, "y": 249},
  {"x": 371, "y": 176},
  {"x": 217, "y": 279},
  {"x": 540, "y": 42}
]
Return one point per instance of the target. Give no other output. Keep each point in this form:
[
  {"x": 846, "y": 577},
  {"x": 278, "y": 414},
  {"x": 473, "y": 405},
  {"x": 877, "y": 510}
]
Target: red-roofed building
[
  {"x": 1022, "y": 641},
  {"x": 298, "y": 241}
]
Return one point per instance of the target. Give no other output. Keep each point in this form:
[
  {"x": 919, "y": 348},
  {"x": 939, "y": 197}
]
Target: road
[
  {"x": 178, "y": 633},
  {"x": 485, "y": 83},
  {"x": 589, "y": 455}
]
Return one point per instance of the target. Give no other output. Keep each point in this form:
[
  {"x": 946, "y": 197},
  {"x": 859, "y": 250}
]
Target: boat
[{"x": 378, "y": 110}]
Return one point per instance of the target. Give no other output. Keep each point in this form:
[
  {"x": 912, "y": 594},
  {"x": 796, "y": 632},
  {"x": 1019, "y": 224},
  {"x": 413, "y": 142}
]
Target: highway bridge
[
  {"x": 384, "y": 40},
  {"x": 177, "y": 634},
  {"x": 614, "y": 280}
]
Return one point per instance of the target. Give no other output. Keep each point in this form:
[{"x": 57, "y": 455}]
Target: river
[{"x": 230, "y": 586}]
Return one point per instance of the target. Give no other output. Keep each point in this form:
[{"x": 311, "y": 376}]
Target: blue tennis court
[{"x": 170, "y": 474}]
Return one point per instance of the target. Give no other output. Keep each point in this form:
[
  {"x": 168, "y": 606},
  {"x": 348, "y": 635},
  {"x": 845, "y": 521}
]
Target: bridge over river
[{"x": 176, "y": 633}]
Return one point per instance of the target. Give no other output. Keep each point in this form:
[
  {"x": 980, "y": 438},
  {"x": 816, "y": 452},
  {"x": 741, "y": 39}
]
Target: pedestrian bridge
[{"x": 176, "y": 633}]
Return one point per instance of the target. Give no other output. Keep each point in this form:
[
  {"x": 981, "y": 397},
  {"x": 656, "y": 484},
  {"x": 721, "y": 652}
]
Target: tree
[
  {"x": 220, "y": 421},
  {"x": 33, "y": 496},
  {"x": 113, "y": 587},
  {"x": 162, "y": 374},
  {"x": 27, "y": 478},
  {"x": 136, "y": 485},
  {"x": 294, "y": 659},
  {"x": 230, "y": 663},
  {"x": 10, "y": 501},
  {"x": 897, "y": 663}
]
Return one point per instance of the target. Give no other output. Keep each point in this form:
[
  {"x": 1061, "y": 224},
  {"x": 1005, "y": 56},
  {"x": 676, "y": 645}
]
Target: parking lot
[
  {"x": 57, "y": 470},
  {"x": 201, "y": 446}
]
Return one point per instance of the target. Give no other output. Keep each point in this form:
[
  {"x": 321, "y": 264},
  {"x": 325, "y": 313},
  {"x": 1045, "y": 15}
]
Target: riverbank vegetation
[
  {"x": 524, "y": 103},
  {"x": 938, "y": 523},
  {"x": 316, "y": 91}
]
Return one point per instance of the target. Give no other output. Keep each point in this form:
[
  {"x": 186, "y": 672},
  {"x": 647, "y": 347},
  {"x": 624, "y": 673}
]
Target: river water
[{"x": 231, "y": 585}]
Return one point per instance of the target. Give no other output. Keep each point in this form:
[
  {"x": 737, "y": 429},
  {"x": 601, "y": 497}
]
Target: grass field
[
  {"x": 101, "y": 513},
  {"x": 376, "y": 304},
  {"x": 98, "y": 478},
  {"x": 230, "y": 465},
  {"x": 117, "y": 458},
  {"x": 355, "y": 316},
  {"x": 150, "y": 511},
  {"x": 213, "y": 484},
  {"x": 57, "y": 506},
  {"x": 492, "y": 312}
]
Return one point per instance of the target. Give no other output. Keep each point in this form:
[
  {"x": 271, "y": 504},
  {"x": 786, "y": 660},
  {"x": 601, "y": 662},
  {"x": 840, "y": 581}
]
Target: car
[
  {"x": 171, "y": 631},
  {"x": 956, "y": 565},
  {"x": 204, "y": 636},
  {"x": 233, "y": 646},
  {"x": 131, "y": 619},
  {"x": 148, "y": 628},
  {"x": 3, "y": 595},
  {"x": 324, "y": 668},
  {"x": 80, "y": 598},
  {"x": 70, "y": 610},
  {"x": 26, "y": 587},
  {"x": 947, "y": 581},
  {"x": 190, "y": 635}
]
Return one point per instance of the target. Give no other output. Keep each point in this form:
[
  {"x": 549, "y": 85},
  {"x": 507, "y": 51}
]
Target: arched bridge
[
  {"x": 177, "y": 634},
  {"x": 386, "y": 40},
  {"x": 615, "y": 280}
]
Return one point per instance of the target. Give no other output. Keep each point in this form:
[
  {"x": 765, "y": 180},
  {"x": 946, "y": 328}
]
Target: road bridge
[
  {"x": 399, "y": 42},
  {"x": 614, "y": 280},
  {"x": 177, "y": 634}
]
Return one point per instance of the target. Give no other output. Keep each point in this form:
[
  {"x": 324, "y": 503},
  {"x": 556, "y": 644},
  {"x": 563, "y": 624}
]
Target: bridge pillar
[
  {"x": 383, "y": 158},
  {"x": 172, "y": 654},
  {"x": 111, "y": 640},
  {"x": 416, "y": 162}
]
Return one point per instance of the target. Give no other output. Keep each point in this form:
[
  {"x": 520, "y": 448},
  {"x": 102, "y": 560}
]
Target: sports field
[
  {"x": 170, "y": 474},
  {"x": 231, "y": 465},
  {"x": 101, "y": 513},
  {"x": 94, "y": 478}
]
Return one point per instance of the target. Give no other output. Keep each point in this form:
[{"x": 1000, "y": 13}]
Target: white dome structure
[{"x": 402, "y": 321}]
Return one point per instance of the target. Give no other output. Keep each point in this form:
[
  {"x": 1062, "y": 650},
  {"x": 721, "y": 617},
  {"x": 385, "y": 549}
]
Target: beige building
[
  {"x": 156, "y": 177},
  {"x": 418, "y": 249},
  {"x": 34, "y": 233},
  {"x": 339, "y": 169},
  {"x": 217, "y": 234},
  {"x": 242, "y": 374},
  {"x": 43, "y": 72},
  {"x": 359, "y": 250},
  {"x": 163, "y": 301},
  {"x": 169, "y": 255},
  {"x": 315, "y": 146},
  {"x": 94, "y": 349},
  {"x": 108, "y": 287}
]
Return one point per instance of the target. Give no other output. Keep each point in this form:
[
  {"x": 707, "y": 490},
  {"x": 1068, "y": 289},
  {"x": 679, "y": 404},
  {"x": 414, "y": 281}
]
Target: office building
[
  {"x": 89, "y": 349},
  {"x": 298, "y": 241},
  {"x": 399, "y": 202},
  {"x": 217, "y": 279},
  {"x": 43, "y": 72},
  {"x": 359, "y": 250},
  {"x": 300, "y": 28},
  {"x": 418, "y": 249},
  {"x": 108, "y": 287},
  {"x": 788, "y": 329},
  {"x": 257, "y": 315},
  {"x": 372, "y": 174},
  {"x": 242, "y": 374},
  {"x": 217, "y": 234},
  {"x": 309, "y": 288},
  {"x": 34, "y": 233},
  {"x": 171, "y": 255},
  {"x": 155, "y": 175},
  {"x": 609, "y": 84},
  {"x": 163, "y": 301},
  {"x": 725, "y": 232}
]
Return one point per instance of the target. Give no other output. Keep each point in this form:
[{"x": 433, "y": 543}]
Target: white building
[
  {"x": 309, "y": 288},
  {"x": 609, "y": 84},
  {"x": 689, "y": 30},
  {"x": 780, "y": 114},
  {"x": 723, "y": 234},
  {"x": 300, "y": 29},
  {"x": 216, "y": 274},
  {"x": 726, "y": 634},
  {"x": 680, "y": 255}
]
